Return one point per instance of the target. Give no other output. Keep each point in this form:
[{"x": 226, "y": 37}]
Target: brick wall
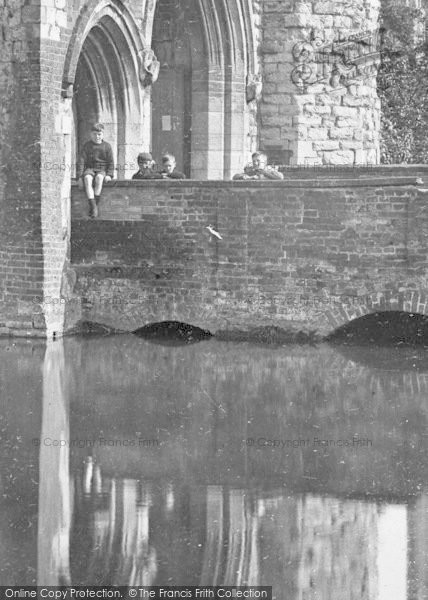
[
  {"x": 21, "y": 260},
  {"x": 302, "y": 255}
]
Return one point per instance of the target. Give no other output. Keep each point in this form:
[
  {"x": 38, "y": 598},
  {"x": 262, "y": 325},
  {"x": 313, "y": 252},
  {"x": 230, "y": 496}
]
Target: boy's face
[
  {"x": 169, "y": 166},
  {"x": 259, "y": 161},
  {"x": 97, "y": 136},
  {"x": 145, "y": 165}
]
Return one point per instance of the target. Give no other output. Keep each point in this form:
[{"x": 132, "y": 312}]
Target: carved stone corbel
[
  {"x": 149, "y": 67},
  {"x": 254, "y": 88}
]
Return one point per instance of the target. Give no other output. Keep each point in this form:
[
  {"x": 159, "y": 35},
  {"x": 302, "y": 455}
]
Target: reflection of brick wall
[{"x": 298, "y": 255}]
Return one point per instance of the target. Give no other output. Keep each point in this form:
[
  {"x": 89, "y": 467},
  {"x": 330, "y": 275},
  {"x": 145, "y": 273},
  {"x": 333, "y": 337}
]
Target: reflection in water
[
  {"x": 54, "y": 483},
  {"x": 201, "y": 506},
  {"x": 392, "y": 561}
]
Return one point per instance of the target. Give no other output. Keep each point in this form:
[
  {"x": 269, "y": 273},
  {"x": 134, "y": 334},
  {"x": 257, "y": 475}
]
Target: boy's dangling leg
[
  {"x": 88, "y": 181},
  {"x": 98, "y": 187}
]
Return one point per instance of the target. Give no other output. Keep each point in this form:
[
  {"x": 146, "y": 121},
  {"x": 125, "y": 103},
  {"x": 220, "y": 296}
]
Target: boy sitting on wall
[
  {"x": 95, "y": 165},
  {"x": 258, "y": 169}
]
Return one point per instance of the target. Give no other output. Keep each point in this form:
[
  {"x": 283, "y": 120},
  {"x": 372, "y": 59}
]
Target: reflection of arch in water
[
  {"x": 102, "y": 64},
  {"x": 110, "y": 541},
  {"x": 241, "y": 537},
  {"x": 396, "y": 359}
]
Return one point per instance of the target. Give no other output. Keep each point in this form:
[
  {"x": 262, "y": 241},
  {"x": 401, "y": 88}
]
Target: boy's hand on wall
[{"x": 107, "y": 178}]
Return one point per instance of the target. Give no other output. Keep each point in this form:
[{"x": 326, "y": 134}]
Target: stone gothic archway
[
  {"x": 199, "y": 104},
  {"x": 102, "y": 67}
]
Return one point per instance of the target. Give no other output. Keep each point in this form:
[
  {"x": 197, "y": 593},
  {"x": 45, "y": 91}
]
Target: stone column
[{"x": 319, "y": 80}]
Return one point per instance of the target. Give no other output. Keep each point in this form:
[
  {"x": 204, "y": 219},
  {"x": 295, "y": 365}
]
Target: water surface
[{"x": 128, "y": 462}]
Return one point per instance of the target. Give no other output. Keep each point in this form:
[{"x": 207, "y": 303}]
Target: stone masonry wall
[
  {"x": 328, "y": 112},
  {"x": 299, "y": 255}
]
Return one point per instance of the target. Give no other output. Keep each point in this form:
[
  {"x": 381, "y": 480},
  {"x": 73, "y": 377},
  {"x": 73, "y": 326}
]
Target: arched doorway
[
  {"x": 179, "y": 47},
  {"x": 199, "y": 108},
  {"x": 107, "y": 88}
]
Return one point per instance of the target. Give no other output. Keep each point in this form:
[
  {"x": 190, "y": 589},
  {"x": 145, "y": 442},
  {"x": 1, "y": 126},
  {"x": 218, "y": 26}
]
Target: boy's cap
[
  {"x": 144, "y": 156},
  {"x": 97, "y": 127}
]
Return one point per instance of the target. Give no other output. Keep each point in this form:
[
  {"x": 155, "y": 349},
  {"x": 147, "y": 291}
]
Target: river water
[{"x": 130, "y": 462}]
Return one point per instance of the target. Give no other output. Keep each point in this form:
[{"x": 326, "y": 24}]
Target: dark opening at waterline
[
  {"x": 173, "y": 332},
  {"x": 392, "y": 328}
]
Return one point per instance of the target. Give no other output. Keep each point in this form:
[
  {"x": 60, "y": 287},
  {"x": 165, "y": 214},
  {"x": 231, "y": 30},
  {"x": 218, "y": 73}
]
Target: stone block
[
  {"x": 342, "y": 122},
  {"x": 268, "y": 109},
  {"x": 287, "y": 109},
  {"x": 286, "y": 87},
  {"x": 31, "y": 14},
  {"x": 271, "y": 47},
  {"x": 318, "y": 109},
  {"x": 314, "y": 120},
  {"x": 341, "y": 157},
  {"x": 351, "y": 145},
  {"x": 274, "y": 120},
  {"x": 269, "y": 88},
  {"x": 327, "y": 145},
  {"x": 330, "y": 99},
  {"x": 305, "y": 150},
  {"x": 345, "y": 111},
  {"x": 350, "y": 100},
  {"x": 49, "y": 16},
  {"x": 328, "y": 8},
  {"x": 270, "y": 68},
  {"x": 271, "y": 133},
  {"x": 342, "y": 22},
  {"x": 276, "y": 99},
  {"x": 342, "y": 132},
  {"x": 61, "y": 18},
  {"x": 317, "y": 133},
  {"x": 302, "y": 99}
]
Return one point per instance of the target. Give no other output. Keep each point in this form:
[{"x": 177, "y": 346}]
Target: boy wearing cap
[
  {"x": 95, "y": 165},
  {"x": 145, "y": 170}
]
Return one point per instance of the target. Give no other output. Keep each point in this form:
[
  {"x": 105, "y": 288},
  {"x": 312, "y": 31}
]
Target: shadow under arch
[
  {"x": 384, "y": 328},
  {"x": 172, "y": 333},
  {"x": 103, "y": 66},
  {"x": 347, "y": 308}
]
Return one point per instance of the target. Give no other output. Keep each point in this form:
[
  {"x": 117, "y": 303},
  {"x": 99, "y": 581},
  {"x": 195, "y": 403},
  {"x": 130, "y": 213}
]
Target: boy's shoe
[{"x": 93, "y": 208}]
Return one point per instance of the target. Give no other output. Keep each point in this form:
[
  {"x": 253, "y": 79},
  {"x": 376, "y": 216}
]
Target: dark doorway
[{"x": 175, "y": 39}]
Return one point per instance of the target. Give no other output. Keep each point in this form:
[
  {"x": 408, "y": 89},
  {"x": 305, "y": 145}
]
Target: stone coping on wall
[{"x": 372, "y": 180}]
